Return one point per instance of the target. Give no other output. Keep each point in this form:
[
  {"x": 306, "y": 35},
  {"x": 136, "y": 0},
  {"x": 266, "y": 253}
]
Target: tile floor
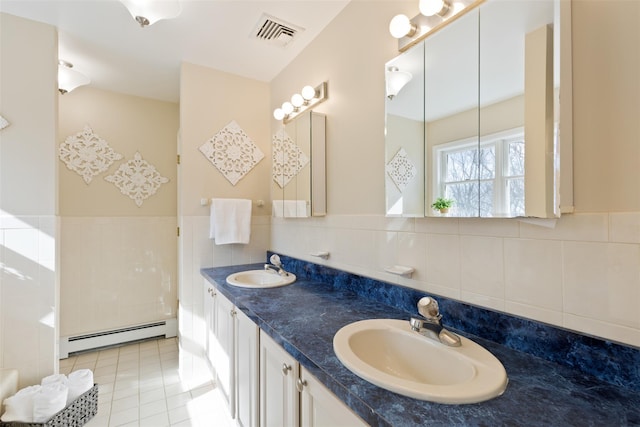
[{"x": 139, "y": 385}]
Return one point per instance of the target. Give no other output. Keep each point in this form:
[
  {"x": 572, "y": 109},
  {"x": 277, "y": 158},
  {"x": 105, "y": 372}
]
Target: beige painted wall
[
  {"x": 606, "y": 105},
  {"x": 128, "y": 124},
  {"x": 118, "y": 261},
  {"x": 209, "y": 100},
  {"x": 28, "y": 102},
  {"x": 28, "y": 225}
]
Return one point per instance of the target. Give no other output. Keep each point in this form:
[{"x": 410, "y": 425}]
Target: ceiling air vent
[{"x": 275, "y": 31}]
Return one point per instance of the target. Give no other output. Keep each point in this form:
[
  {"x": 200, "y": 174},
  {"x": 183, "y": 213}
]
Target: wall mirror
[
  {"x": 299, "y": 167},
  {"x": 404, "y": 134},
  {"x": 490, "y": 108}
]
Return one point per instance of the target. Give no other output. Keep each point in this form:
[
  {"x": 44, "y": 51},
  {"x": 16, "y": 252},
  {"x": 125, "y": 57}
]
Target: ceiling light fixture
[
  {"x": 148, "y": 12},
  {"x": 396, "y": 80},
  {"x": 68, "y": 78},
  {"x": 308, "y": 97}
]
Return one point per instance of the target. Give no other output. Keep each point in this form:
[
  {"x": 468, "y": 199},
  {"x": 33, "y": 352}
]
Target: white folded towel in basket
[
  {"x": 51, "y": 399},
  {"x": 79, "y": 382},
  {"x": 19, "y": 407},
  {"x": 38, "y": 403}
]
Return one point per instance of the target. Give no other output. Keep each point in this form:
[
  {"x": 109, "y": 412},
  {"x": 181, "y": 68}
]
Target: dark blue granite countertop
[{"x": 303, "y": 318}]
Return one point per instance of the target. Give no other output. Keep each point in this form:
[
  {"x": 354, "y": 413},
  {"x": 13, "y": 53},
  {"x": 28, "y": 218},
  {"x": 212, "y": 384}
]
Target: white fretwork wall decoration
[
  {"x": 87, "y": 154},
  {"x": 401, "y": 169},
  {"x": 137, "y": 179},
  {"x": 3, "y": 123},
  {"x": 232, "y": 152},
  {"x": 288, "y": 158}
]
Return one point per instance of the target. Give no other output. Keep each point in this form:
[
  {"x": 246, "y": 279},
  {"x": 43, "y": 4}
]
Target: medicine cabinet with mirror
[
  {"x": 483, "y": 108},
  {"x": 299, "y": 167}
]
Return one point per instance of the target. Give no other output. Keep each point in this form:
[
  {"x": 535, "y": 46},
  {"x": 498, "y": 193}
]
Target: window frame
[{"x": 500, "y": 142}]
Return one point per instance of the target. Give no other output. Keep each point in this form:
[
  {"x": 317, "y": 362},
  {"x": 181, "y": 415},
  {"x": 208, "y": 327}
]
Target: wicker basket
[{"x": 77, "y": 414}]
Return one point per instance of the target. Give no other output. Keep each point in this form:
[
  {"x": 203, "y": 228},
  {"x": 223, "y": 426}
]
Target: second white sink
[
  {"x": 387, "y": 353},
  {"x": 260, "y": 279}
]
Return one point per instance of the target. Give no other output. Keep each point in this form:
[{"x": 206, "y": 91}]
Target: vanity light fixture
[
  {"x": 68, "y": 78},
  {"x": 308, "y": 97},
  {"x": 401, "y": 26},
  {"x": 433, "y": 7},
  {"x": 148, "y": 12},
  {"x": 396, "y": 80},
  {"x": 433, "y": 15}
]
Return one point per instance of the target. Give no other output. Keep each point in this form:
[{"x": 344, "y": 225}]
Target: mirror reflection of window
[{"x": 494, "y": 174}]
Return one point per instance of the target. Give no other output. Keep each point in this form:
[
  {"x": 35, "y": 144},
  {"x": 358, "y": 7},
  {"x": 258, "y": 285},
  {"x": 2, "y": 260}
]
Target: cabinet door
[
  {"x": 209, "y": 318},
  {"x": 247, "y": 393},
  {"x": 279, "y": 398},
  {"x": 319, "y": 407},
  {"x": 224, "y": 346}
]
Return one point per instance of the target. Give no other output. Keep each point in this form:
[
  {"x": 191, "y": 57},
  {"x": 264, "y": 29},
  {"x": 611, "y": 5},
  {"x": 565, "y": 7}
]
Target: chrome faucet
[
  {"x": 276, "y": 265},
  {"x": 429, "y": 323}
]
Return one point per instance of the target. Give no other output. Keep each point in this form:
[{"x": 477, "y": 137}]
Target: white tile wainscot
[{"x": 535, "y": 271}]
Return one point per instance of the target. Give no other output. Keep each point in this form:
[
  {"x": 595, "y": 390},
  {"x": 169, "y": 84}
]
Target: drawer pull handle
[
  {"x": 300, "y": 385},
  {"x": 285, "y": 369}
]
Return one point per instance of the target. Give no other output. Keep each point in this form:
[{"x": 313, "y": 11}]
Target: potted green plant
[{"x": 442, "y": 204}]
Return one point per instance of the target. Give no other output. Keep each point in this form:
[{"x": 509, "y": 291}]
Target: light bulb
[
  {"x": 400, "y": 26},
  {"x": 287, "y": 107},
  {"x": 431, "y": 7},
  {"x": 278, "y": 114},
  {"x": 308, "y": 93},
  {"x": 297, "y": 100}
]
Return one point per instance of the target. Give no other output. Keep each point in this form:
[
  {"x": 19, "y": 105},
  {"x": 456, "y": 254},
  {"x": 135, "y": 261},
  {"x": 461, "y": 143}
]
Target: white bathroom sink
[
  {"x": 260, "y": 279},
  {"x": 387, "y": 353}
]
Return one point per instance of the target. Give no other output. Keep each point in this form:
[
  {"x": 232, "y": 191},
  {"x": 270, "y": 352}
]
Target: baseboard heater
[{"x": 165, "y": 328}]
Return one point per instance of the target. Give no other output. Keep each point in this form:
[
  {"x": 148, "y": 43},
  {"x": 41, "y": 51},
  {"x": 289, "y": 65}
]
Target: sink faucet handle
[
  {"x": 275, "y": 260},
  {"x": 428, "y": 307}
]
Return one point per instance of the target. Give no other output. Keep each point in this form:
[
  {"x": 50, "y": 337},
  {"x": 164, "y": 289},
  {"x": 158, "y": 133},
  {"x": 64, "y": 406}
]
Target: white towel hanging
[{"x": 230, "y": 221}]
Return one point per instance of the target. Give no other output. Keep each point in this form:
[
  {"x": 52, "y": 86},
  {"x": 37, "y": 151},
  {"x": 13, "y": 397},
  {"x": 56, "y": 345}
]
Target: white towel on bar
[
  {"x": 230, "y": 221},
  {"x": 290, "y": 208}
]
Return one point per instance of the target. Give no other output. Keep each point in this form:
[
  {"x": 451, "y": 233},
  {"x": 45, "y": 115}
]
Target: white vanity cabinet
[
  {"x": 247, "y": 371},
  {"x": 279, "y": 404},
  {"x": 209, "y": 300},
  {"x": 290, "y": 396},
  {"x": 220, "y": 319},
  {"x": 224, "y": 350},
  {"x": 319, "y": 407},
  {"x": 232, "y": 352}
]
